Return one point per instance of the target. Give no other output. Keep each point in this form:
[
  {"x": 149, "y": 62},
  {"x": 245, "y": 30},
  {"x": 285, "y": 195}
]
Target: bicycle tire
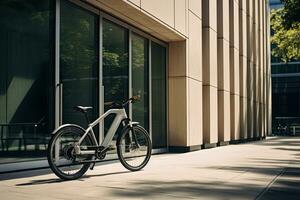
[
  {"x": 74, "y": 129},
  {"x": 120, "y": 148}
]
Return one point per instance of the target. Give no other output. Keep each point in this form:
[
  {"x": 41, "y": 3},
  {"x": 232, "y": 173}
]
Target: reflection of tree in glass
[
  {"x": 140, "y": 81},
  {"x": 77, "y": 43},
  {"x": 115, "y": 62},
  {"x": 138, "y": 58}
]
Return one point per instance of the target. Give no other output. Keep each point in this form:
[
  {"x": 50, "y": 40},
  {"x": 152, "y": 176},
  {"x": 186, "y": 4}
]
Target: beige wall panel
[
  {"x": 265, "y": 67},
  {"x": 136, "y": 2},
  {"x": 269, "y": 105},
  {"x": 262, "y": 75},
  {"x": 196, "y": 7},
  {"x": 178, "y": 128},
  {"x": 255, "y": 12},
  {"x": 195, "y": 135},
  {"x": 243, "y": 76},
  {"x": 177, "y": 58},
  {"x": 268, "y": 92},
  {"x": 223, "y": 65},
  {"x": 250, "y": 80},
  {"x": 163, "y": 10},
  {"x": 260, "y": 16},
  {"x": 243, "y": 4},
  {"x": 256, "y": 119},
  {"x": 256, "y": 78},
  {"x": 250, "y": 38},
  {"x": 254, "y": 82},
  {"x": 261, "y": 120},
  {"x": 243, "y": 118},
  {"x": 234, "y": 71},
  {"x": 210, "y": 115},
  {"x": 250, "y": 8},
  {"x": 195, "y": 47},
  {"x": 254, "y": 105},
  {"x": 140, "y": 18},
  {"x": 261, "y": 95},
  {"x": 223, "y": 19},
  {"x": 235, "y": 117},
  {"x": 234, "y": 24},
  {"x": 181, "y": 15},
  {"x": 243, "y": 32},
  {"x": 209, "y": 13},
  {"x": 223, "y": 116},
  {"x": 250, "y": 118},
  {"x": 209, "y": 57}
]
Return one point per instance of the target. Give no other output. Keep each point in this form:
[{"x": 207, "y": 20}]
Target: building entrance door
[{"x": 79, "y": 62}]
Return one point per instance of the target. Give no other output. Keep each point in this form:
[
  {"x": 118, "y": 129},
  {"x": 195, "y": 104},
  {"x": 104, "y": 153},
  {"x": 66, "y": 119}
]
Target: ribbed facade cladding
[{"x": 219, "y": 82}]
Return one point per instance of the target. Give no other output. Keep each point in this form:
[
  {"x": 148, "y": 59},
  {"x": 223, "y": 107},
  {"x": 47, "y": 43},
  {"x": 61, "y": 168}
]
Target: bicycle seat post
[{"x": 86, "y": 118}]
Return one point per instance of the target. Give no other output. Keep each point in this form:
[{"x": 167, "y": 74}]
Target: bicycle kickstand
[{"x": 92, "y": 165}]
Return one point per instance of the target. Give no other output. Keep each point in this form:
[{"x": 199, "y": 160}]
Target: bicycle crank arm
[
  {"x": 86, "y": 161},
  {"x": 84, "y": 152}
]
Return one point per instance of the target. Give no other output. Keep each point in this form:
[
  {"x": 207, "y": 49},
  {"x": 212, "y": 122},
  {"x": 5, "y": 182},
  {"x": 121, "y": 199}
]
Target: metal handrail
[{"x": 23, "y": 126}]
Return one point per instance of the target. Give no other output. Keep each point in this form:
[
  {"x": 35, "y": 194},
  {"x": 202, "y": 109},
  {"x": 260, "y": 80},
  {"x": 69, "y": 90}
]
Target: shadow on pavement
[
  {"x": 214, "y": 189},
  {"x": 57, "y": 180},
  {"x": 279, "y": 141},
  {"x": 185, "y": 189},
  {"x": 39, "y": 172}
]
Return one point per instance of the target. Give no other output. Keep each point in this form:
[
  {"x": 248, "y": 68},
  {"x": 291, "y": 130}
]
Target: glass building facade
[
  {"x": 55, "y": 54},
  {"x": 285, "y": 90}
]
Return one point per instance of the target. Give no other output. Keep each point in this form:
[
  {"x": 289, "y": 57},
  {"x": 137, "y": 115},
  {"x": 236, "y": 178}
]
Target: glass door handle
[
  {"x": 101, "y": 111},
  {"x": 60, "y": 88}
]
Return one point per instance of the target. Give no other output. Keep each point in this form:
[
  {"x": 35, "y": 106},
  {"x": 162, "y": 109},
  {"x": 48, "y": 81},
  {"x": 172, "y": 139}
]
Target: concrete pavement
[{"x": 268, "y": 169}]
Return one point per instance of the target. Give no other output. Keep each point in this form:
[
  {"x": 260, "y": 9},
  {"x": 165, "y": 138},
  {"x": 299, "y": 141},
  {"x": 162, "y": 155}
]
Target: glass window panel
[
  {"x": 78, "y": 62},
  {"x": 140, "y": 80},
  {"x": 115, "y": 65},
  {"x": 115, "y": 62},
  {"x": 158, "y": 69},
  {"x": 26, "y": 82}
]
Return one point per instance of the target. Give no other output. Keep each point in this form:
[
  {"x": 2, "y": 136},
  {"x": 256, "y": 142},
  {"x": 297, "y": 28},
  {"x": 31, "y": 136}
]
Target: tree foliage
[
  {"x": 285, "y": 35},
  {"x": 292, "y": 12}
]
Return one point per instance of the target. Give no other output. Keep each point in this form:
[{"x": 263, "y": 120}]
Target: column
[
  {"x": 223, "y": 73},
  {"x": 234, "y": 70},
  {"x": 210, "y": 91},
  {"x": 243, "y": 67},
  {"x": 194, "y": 80},
  {"x": 249, "y": 70},
  {"x": 185, "y": 81}
]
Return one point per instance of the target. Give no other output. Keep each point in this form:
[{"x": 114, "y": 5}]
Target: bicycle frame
[{"x": 120, "y": 116}]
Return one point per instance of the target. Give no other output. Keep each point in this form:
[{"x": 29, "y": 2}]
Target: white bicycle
[{"x": 72, "y": 149}]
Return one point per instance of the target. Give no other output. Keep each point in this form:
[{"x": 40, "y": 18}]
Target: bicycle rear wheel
[
  {"x": 61, "y": 157},
  {"x": 134, "y": 148}
]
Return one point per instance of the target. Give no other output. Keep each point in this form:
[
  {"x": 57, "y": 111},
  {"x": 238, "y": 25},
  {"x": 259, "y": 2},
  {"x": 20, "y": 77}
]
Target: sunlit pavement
[{"x": 268, "y": 169}]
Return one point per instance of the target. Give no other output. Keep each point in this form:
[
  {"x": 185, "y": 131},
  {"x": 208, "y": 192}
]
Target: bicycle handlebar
[{"x": 125, "y": 103}]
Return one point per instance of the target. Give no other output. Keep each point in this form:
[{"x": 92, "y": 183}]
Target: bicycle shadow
[{"x": 57, "y": 180}]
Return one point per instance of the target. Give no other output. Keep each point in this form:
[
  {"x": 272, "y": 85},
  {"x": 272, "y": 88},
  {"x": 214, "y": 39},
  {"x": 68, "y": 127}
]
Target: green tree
[
  {"x": 285, "y": 36},
  {"x": 292, "y": 12}
]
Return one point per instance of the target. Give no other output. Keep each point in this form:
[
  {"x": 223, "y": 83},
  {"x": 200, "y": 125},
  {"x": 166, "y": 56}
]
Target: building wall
[{"x": 219, "y": 78}]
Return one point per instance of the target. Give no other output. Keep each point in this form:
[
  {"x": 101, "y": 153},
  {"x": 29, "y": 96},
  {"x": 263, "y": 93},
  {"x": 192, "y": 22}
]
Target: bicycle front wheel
[
  {"x": 61, "y": 156},
  {"x": 134, "y": 148}
]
